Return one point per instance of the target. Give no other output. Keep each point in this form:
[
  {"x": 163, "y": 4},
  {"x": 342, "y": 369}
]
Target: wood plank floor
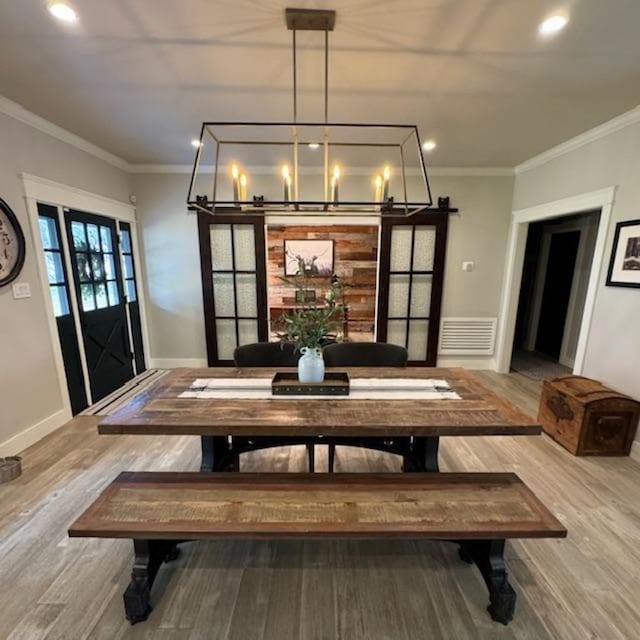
[{"x": 584, "y": 587}]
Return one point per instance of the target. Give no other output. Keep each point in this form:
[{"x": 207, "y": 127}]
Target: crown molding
[
  {"x": 362, "y": 171},
  {"x": 18, "y": 112},
  {"x": 611, "y": 126}
]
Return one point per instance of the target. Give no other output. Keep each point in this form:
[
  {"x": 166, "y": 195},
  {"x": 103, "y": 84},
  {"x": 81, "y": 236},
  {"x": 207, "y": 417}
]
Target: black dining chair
[
  {"x": 365, "y": 354},
  {"x": 269, "y": 354}
]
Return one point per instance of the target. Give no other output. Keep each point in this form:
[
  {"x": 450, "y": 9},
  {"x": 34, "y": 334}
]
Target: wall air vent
[{"x": 467, "y": 336}]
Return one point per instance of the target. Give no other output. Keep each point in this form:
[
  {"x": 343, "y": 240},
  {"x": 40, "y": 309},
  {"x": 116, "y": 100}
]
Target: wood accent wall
[{"x": 355, "y": 261}]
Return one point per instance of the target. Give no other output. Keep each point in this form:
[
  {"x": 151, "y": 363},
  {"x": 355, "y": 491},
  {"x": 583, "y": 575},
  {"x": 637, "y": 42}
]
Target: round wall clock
[{"x": 12, "y": 245}]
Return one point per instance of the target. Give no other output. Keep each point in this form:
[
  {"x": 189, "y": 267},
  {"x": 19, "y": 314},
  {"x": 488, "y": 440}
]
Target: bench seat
[{"x": 479, "y": 511}]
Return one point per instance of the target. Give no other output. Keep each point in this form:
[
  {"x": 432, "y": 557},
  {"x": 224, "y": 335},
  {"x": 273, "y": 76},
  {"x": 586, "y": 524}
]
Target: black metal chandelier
[{"x": 324, "y": 168}]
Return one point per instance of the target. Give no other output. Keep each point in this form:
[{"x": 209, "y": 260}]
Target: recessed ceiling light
[
  {"x": 62, "y": 11},
  {"x": 429, "y": 145},
  {"x": 313, "y": 145},
  {"x": 553, "y": 24},
  {"x": 196, "y": 143}
]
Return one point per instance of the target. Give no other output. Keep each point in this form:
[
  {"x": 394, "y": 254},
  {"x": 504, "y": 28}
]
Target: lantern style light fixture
[{"x": 298, "y": 167}]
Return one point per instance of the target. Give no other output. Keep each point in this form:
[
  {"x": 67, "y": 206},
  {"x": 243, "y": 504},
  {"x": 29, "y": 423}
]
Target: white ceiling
[{"x": 137, "y": 77}]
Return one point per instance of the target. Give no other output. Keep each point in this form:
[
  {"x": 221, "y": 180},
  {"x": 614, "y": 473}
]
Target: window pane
[
  {"x": 60, "y": 302},
  {"x": 400, "y": 248},
  {"x": 79, "y": 237},
  {"x": 125, "y": 241},
  {"x": 114, "y": 295},
  {"x": 424, "y": 248},
  {"x": 226, "y": 337},
  {"x": 421, "y": 296},
  {"x": 248, "y": 331},
  {"x": 245, "y": 248},
  {"x": 82, "y": 264},
  {"x": 398, "y": 296},
  {"x": 48, "y": 233},
  {"x": 223, "y": 294},
  {"x": 247, "y": 296},
  {"x": 220, "y": 247},
  {"x": 131, "y": 291},
  {"x": 128, "y": 267},
  {"x": 54, "y": 267},
  {"x": 97, "y": 266},
  {"x": 105, "y": 235},
  {"x": 109, "y": 268},
  {"x": 86, "y": 292},
  {"x": 94, "y": 238},
  {"x": 101, "y": 296},
  {"x": 418, "y": 334},
  {"x": 396, "y": 332}
]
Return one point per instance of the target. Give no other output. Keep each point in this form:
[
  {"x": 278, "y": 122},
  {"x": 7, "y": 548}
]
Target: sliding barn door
[
  {"x": 232, "y": 261},
  {"x": 412, "y": 255}
]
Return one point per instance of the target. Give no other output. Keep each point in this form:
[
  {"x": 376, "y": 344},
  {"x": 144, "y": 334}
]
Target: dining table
[{"x": 391, "y": 409}]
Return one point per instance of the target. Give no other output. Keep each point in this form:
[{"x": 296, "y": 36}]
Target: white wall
[
  {"x": 613, "y": 351},
  {"x": 171, "y": 256},
  {"x": 29, "y": 390}
]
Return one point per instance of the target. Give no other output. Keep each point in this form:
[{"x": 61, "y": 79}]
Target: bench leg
[
  {"x": 488, "y": 555},
  {"x": 149, "y": 555}
]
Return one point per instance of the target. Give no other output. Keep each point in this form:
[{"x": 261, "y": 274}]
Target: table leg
[
  {"x": 424, "y": 455},
  {"x": 214, "y": 450}
]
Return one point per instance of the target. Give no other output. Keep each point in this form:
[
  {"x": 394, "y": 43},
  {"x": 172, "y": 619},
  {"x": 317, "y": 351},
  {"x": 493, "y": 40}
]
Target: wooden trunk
[{"x": 587, "y": 418}]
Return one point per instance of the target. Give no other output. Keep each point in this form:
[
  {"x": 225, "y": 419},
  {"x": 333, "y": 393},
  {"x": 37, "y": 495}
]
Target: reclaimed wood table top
[
  {"x": 159, "y": 411},
  {"x": 194, "y": 505}
]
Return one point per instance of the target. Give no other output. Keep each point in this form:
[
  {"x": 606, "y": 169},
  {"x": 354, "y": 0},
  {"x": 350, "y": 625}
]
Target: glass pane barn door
[
  {"x": 410, "y": 290},
  {"x": 232, "y": 253}
]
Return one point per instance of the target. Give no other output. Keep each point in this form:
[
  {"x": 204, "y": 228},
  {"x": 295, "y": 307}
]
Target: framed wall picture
[
  {"x": 624, "y": 268},
  {"x": 308, "y": 258}
]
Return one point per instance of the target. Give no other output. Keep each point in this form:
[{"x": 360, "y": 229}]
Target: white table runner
[{"x": 360, "y": 389}]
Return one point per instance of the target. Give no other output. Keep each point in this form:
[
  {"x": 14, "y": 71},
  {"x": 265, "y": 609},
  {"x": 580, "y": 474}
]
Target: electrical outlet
[
  {"x": 21, "y": 290},
  {"x": 467, "y": 266}
]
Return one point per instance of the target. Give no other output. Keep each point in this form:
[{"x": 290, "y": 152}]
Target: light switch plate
[
  {"x": 21, "y": 290},
  {"x": 468, "y": 266}
]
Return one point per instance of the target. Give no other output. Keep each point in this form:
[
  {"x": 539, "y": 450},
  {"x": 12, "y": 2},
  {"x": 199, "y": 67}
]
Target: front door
[{"x": 98, "y": 282}]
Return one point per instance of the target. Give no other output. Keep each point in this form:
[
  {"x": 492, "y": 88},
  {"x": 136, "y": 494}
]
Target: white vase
[{"x": 310, "y": 366}]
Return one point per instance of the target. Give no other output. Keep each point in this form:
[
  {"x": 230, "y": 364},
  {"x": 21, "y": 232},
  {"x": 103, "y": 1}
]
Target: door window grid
[
  {"x": 129, "y": 272},
  {"x": 56, "y": 275},
  {"x": 95, "y": 262},
  {"x": 234, "y": 289},
  {"x": 410, "y": 281}
]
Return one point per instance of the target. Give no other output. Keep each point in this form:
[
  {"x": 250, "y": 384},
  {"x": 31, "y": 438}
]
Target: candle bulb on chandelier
[
  {"x": 378, "y": 194},
  {"x": 236, "y": 182},
  {"x": 243, "y": 187},
  {"x": 334, "y": 184},
  {"x": 386, "y": 174},
  {"x": 286, "y": 178}
]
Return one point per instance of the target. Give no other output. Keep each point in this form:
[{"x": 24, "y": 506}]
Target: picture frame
[
  {"x": 624, "y": 265},
  {"x": 309, "y": 258}
]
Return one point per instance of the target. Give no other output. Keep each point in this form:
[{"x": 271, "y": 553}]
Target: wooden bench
[{"x": 478, "y": 511}]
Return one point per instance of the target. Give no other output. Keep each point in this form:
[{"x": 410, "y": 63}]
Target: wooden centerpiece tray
[{"x": 335, "y": 383}]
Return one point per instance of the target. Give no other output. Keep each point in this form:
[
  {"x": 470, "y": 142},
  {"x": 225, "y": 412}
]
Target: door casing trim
[
  {"x": 62, "y": 196},
  {"x": 602, "y": 199}
]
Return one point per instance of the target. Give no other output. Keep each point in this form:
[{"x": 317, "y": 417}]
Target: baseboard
[
  {"x": 635, "y": 450},
  {"x": 174, "y": 363},
  {"x": 478, "y": 363},
  {"x": 21, "y": 441}
]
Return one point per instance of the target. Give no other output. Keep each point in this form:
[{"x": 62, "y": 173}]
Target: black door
[
  {"x": 412, "y": 256},
  {"x": 131, "y": 295},
  {"x": 557, "y": 290},
  {"x": 98, "y": 281},
  {"x": 58, "y": 279}
]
